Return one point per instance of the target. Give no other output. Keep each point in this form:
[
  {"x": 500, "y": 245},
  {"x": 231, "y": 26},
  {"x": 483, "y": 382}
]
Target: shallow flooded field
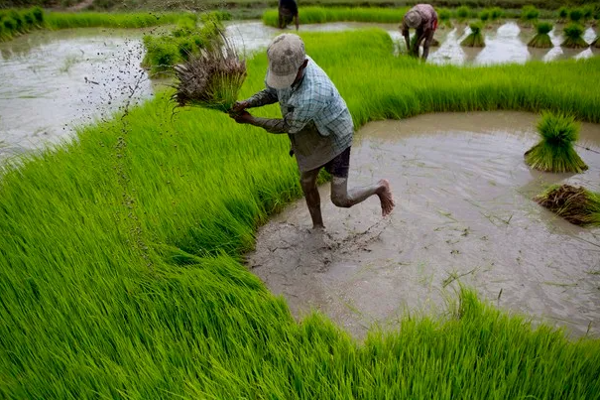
[
  {"x": 56, "y": 81},
  {"x": 464, "y": 214}
]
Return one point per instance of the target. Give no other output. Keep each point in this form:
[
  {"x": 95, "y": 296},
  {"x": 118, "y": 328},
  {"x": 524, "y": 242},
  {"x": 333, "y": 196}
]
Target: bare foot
[{"x": 386, "y": 198}]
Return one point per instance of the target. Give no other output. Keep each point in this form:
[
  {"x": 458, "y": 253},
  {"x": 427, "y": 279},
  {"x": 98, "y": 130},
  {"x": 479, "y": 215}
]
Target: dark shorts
[{"x": 340, "y": 165}]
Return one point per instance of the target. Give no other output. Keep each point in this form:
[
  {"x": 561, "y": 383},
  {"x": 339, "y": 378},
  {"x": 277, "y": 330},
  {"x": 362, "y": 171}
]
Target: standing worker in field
[
  {"x": 318, "y": 124},
  {"x": 288, "y": 11},
  {"x": 424, "y": 19}
]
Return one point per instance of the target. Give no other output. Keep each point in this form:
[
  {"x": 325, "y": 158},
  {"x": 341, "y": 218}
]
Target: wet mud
[{"x": 464, "y": 213}]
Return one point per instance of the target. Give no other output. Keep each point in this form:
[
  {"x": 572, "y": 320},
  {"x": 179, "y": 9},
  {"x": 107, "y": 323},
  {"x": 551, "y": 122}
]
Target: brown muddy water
[
  {"x": 464, "y": 213},
  {"x": 55, "y": 81}
]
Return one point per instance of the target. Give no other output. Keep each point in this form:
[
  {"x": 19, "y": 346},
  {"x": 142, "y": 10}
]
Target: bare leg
[
  {"x": 342, "y": 197},
  {"x": 308, "y": 180}
]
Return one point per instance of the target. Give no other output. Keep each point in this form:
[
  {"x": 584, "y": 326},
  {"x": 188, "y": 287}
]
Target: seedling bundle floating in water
[
  {"x": 542, "y": 39},
  {"x": 475, "y": 39},
  {"x": 577, "y": 205},
  {"x": 211, "y": 79},
  {"x": 574, "y": 38},
  {"x": 555, "y": 152}
]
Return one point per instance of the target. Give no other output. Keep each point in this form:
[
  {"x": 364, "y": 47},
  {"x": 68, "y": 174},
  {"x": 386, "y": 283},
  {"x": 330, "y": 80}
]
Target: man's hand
[
  {"x": 242, "y": 117},
  {"x": 239, "y": 106}
]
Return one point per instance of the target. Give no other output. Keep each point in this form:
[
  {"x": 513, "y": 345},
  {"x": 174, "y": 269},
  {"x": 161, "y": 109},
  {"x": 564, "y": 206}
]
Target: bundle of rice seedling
[
  {"x": 587, "y": 12},
  {"x": 555, "y": 152},
  {"x": 463, "y": 13},
  {"x": 577, "y": 205},
  {"x": 413, "y": 45},
  {"x": 484, "y": 16},
  {"x": 529, "y": 14},
  {"x": 573, "y": 37},
  {"x": 575, "y": 15},
  {"x": 211, "y": 79},
  {"x": 542, "y": 39},
  {"x": 563, "y": 14},
  {"x": 475, "y": 39},
  {"x": 496, "y": 13}
]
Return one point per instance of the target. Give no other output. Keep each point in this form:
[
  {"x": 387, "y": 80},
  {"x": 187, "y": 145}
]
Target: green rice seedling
[
  {"x": 577, "y": 205},
  {"x": 38, "y": 13},
  {"x": 319, "y": 15},
  {"x": 18, "y": 19},
  {"x": 475, "y": 38},
  {"x": 484, "y": 16},
  {"x": 496, "y": 13},
  {"x": 59, "y": 20},
  {"x": 542, "y": 40},
  {"x": 575, "y": 15},
  {"x": 463, "y": 12},
  {"x": 587, "y": 13},
  {"x": 29, "y": 19},
  {"x": 212, "y": 80},
  {"x": 10, "y": 26},
  {"x": 529, "y": 14},
  {"x": 555, "y": 152},
  {"x": 563, "y": 14},
  {"x": 134, "y": 287},
  {"x": 574, "y": 37},
  {"x": 444, "y": 15}
]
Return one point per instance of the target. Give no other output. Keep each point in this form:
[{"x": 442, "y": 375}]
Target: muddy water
[
  {"x": 54, "y": 81},
  {"x": 464, "y": 213}
]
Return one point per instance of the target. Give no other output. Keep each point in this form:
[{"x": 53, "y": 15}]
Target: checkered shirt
[{"x": 315, "y": 117}]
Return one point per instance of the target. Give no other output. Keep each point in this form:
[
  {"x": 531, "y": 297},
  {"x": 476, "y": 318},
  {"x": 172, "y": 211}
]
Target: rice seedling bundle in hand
[
  {"x": 574, "y": 37},
  {"x": 542, "y": 39},
  {"x": 555, "y": 152},
  {"x": 211, "y": 79},
  {"x": 577, "y": 205},
  {"x": 475, "y": 39}
]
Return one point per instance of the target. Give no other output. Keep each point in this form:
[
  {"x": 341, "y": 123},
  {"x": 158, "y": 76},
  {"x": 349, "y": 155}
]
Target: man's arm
[
  {"x": 262, "y": 98},
  {"x": 404, "y": 30},
  {"x": 293, "y": 122}
]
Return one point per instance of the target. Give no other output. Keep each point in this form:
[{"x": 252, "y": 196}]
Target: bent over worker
[
  {"x": 424, "y": 19},
  {"x": 288, "y": 11},
  {"x": 318, "y": 124}
]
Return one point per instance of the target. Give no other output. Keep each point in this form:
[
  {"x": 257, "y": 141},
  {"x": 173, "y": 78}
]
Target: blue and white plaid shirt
[{"x": 315, "y": 117}]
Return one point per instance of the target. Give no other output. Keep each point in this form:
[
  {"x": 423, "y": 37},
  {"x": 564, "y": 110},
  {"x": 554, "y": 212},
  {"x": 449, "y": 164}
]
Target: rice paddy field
[{"x": 122, "y": 253}]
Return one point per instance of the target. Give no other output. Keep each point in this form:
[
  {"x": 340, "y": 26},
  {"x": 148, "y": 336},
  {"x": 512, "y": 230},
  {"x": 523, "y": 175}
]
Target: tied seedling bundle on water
[{"x": 211, "y": 79}]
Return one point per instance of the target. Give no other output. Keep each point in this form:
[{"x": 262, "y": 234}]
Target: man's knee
[
  {"x": 308, "y": 183},
  {"x": 340, "y": 200}
]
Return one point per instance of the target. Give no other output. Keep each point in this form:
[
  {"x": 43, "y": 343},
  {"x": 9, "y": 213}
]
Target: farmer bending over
[
  {"x": 317, "y": 122},
  {"x": 288, "y": 10},
  {"x": 424, "y": 19}
]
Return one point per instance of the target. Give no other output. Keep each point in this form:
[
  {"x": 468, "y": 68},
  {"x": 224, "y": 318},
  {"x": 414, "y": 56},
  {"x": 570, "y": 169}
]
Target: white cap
[{"x": 286, "y": 55}]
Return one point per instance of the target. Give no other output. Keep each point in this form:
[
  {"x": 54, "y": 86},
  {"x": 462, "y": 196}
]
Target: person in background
[
  {"x": 424, "y": 19},
  {"x": 288, "y": 11},
  {"x": 317, "y": 122}
]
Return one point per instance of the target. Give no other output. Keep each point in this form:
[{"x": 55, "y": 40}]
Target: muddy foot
[{"x": 387, "y": 200}]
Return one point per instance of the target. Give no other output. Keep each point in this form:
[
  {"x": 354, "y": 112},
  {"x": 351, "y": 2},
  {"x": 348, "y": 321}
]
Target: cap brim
[{"x": 280, "y": 81}]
